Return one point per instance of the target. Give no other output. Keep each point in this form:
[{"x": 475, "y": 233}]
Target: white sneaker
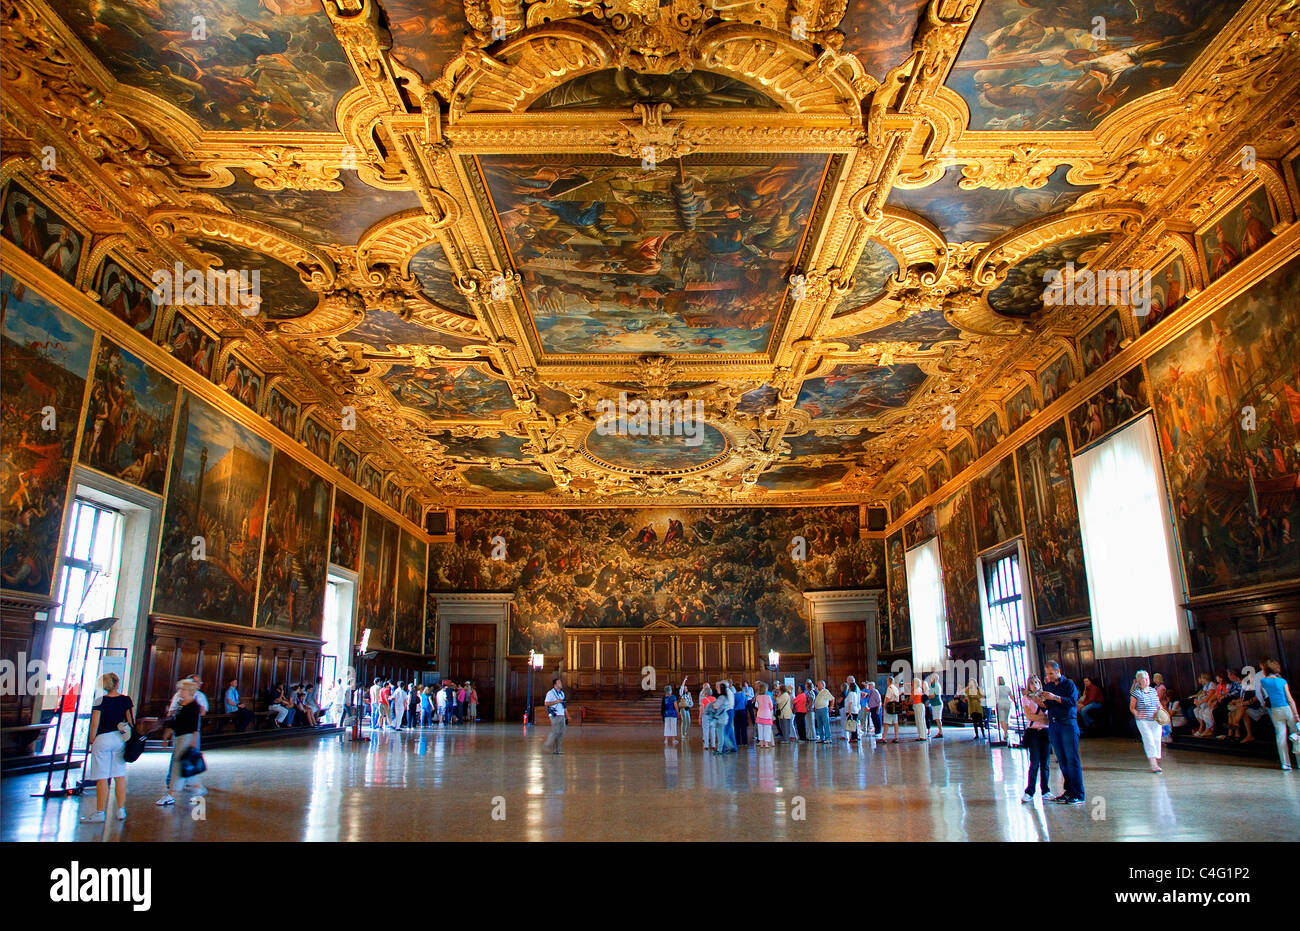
[
  {"x": 98, "y": 817},
  {"x": 1026, "y": 797},
  {"x": 121, "y": 814},
  {"x": 166, "y": 800}
]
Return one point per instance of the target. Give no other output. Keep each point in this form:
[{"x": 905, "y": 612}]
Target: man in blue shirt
[
  {"x": 740, "y": 718},
  {"x": 1061, "y": 696},
  {"x": 237, "y": 707}
]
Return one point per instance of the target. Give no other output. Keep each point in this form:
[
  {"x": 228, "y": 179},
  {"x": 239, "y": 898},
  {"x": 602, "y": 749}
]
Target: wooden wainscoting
[
  {"x": 608, "y": 663},
  {"x": 218, "y": 652}
]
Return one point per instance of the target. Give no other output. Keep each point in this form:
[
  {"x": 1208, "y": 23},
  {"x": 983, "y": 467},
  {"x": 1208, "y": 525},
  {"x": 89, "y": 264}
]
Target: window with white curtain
[
  {"x": 1128, "y": 547},
  {"x": 925, "y": 602}
]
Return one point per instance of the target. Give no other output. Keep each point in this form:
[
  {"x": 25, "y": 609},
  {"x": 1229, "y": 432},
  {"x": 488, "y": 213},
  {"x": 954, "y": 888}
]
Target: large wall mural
[
  {"x": 1233, "y": 489},
  {"x": 217, "y": 491},
  {"x": 1051, "y": 514},
  {"x": 375, "y": 598},
  {"x": 627, "y": 567},
  {"x": 408, "y": 626},
  {"x": 996, "y": 506},
  {"x": 39, "y": 231},
  {"x": 618, "y": 258},
  {"x": 292, "y": 591},
  {"x": 128, "y": 430},
  {"x": 957, "y": 553},
  {"x": 900, "y": 623},
  {"x": 345, "y": 535},
  {"x": 43, "y": 380}
]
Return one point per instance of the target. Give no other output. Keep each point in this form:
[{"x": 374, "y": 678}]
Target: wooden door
[
  {"x": 846, "y": 652},
  {"x": 473, "y": 658}
]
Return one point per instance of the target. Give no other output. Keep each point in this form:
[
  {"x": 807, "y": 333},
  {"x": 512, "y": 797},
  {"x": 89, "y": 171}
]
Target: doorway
[
  {"x": 336, "y": 650},
  {"x": 472, "y": 657},
  {"x": 846, "y": 652}
]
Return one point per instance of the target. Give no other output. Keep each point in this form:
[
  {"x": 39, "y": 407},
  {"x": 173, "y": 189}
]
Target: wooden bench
[{"x": 18, "y": 738}]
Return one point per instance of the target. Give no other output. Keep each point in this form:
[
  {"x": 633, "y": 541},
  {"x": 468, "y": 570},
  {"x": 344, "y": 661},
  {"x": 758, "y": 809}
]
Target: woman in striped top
[{"x": 1143, "y": 702}]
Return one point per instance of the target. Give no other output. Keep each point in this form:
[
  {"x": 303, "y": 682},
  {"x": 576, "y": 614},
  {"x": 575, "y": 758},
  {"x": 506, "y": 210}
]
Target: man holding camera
[
  {"x": 555, "y": 711},
  {"x": 1061, "y": 696}
]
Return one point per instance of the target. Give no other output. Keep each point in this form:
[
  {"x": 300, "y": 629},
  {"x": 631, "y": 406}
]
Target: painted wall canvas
[
  {"x": 411, "y": 509},
  {"x": 1113, "y": 406},
  {"x": 282, "y": 411},
  {"x": 627, "y": 567},
  {"x": 900, "y": 624},
  {"x": 259, "y": 66},
  {"x": 617, "y": 258},
  {"x": 408, "y": 629},
  {"x": 898, "y": 505},
  {"x": 128, "y": 431},
  {"x": 346, "y": 460},
  {"x": 937, "y": 474},
  {"x": 1060, "y": 586},
  {"x": 242, "y": 382},
  {"x": 291, "y": 596},
  {"x": 1056, "y": 379},
  {"x": 39, "y": 231},
  {"x": 1038, "y": 64},
  {"x": 449, "y": 392},
  {"x": 918, "y": 488},
  {"x": 392, "y": 495},
  {"x": 1169, "y": 288},
  {"x": 920, "y": 528},
  {"x": 191, "y": 345},
  {"x": 957, "y": 553},
  {"x": 125, "y": 296},
  {"x": 961, "y": 455},
  {"x": 853, "y": 392},
  {"x": 372, "y": 480},
  {"x": 345, "y": 533},
  {"x": 1021, "y": 294},
  {"x": 47, "y": 355},
  {"x": 375, "y": 592},
  {"x": 217, "y": 491},
  {"x": 925, "y": 329},
  {"x": 987, "y": 434},
  {"x": 984, "y": 214},
  {"x": 1233, "y": 490},
  {"x": 317, "y": 439},
  {"x": 1101, "y": 343},
  {"x": 1020, "y": 407},
  {"x": 996, "y": 505},
  {"x": 1238, "y": 233}
]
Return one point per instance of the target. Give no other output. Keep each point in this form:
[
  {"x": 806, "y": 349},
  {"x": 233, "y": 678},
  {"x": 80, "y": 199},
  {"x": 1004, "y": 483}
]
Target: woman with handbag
[
  {"x": 1144, "y": 705},
  {"x": 112, "y": 723},
  {"x": 893, "y": 706},
  {"x": 185, "y": 751}
]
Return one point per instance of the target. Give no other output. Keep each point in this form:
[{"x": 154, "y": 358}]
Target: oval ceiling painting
[
  {"x": 696, "y": 447},
  {"x": 1021, "y": 294}
]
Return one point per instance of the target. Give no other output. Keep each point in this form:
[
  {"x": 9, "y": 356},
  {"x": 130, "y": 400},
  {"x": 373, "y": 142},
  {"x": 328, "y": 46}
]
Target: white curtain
[
  {"x": 1132, "y": 566},
  {"x": 925, "y": 603}
]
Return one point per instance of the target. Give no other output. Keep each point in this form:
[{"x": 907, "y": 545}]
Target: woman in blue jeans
[
  {"x": 1035, "y": 739},
  {"x": 1282, "y": 709}
]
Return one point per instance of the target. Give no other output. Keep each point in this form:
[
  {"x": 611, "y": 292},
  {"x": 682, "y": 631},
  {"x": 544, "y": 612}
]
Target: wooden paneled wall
[
  {"x": 259, "y": 659},
  {"x": 22, "y": 640}
]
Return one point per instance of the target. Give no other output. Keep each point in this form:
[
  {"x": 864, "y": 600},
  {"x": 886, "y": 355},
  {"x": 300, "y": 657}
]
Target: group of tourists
[{"x": 421, "y": 705}]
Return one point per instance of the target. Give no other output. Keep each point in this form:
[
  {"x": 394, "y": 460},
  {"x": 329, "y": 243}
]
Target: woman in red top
[
  {"x": 800, "y": 710},
  {"x": 918, "y": 710},
  {"x": 706, "y": 699}
]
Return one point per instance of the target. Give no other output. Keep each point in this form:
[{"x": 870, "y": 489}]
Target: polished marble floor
[{"x": 490, "y": 782}]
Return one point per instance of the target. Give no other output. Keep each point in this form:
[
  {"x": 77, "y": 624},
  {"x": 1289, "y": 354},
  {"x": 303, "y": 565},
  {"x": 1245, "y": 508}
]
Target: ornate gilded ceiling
[{"x": 826, "y": 221}]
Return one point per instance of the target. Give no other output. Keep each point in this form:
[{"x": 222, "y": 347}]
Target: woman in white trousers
[{"x": 1143, "y": 703}]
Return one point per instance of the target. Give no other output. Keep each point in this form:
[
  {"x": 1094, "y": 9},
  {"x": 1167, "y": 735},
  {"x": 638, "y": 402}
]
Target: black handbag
[
  {"x": 134, "y": 746},
  {"x": 192, "y": 763}
]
